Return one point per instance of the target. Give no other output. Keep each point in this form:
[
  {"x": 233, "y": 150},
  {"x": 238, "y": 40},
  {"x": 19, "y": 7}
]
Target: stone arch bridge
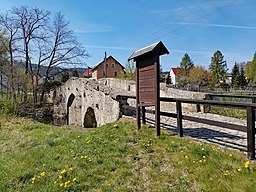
[{"x": 87, "y": 103}]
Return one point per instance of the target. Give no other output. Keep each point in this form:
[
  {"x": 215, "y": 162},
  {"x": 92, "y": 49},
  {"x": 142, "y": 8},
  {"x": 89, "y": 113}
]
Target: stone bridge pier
[{"x": 86, "y": 103}]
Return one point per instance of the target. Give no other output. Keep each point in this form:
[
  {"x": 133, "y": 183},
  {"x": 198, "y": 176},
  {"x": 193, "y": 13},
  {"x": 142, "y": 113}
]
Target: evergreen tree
[
  {"x": 186, "y": 62},
  {"x": 235, "y": 82},
  {"x": 218, "y": 68},
  {"x": 185, "y": 65},
  {"x": 243, "y": 81}
]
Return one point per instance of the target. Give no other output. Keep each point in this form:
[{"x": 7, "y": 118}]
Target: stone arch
[
  {"x": 89, "y": 118},
  {"x": 71, "y": 99}
]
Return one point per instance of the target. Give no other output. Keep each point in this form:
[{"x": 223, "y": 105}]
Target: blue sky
[{"x": 196, "y": 27}]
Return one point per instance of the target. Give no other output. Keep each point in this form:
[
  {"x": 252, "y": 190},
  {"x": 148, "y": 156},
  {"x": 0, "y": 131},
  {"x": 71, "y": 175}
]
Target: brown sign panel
[{"x": 147, "y": 84}]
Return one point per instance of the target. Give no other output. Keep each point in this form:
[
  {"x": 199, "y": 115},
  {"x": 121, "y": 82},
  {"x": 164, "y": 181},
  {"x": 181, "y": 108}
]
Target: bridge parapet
[{"x": 80, "y": 101}]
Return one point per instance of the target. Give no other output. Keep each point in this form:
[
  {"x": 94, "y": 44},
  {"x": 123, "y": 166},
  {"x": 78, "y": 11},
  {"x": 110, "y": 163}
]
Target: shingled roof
[{"x": 158, "y": 46}]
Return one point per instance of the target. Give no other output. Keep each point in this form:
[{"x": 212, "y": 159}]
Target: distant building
[
  {"x": 87, "y": 73},
  {"x": 164, "y": 76},
  {"x": 173, "y": 75},
  {"x": 113, "y": 69},
  {"x": 228, "y": 78}
]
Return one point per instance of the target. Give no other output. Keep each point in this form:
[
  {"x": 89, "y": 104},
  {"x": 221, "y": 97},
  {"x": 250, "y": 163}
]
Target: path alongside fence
[
  {"x": 224, "y": 131},
  {"x": 207, "y": 133}
]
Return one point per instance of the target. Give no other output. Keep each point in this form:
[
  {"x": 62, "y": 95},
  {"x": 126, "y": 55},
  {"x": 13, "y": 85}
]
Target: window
[
  {"x": 116, "y": 74},
  {"x": 113, "y": 64},
  {"x": 106, "y": 64},
  {"x": 104, "y": 73}
]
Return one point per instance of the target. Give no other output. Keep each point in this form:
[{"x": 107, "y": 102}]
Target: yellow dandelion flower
[
  {"x": 186, "y": 156},
  {"x": 246, "y": 165},
  {"x": 225, "y": 174},
  {"x": 194, "y": 161},
  {"x": 202, "y": 149},
  {"x": 61, "y": 184},
  {"x": 43, "y": 165},
  {"x": 42, "y": 174},
  {"x": 38, "y": 176},
  {"x": 172, "y": 142},
  {"x": 63, "y": 171},
  {"x": 204, "y": 157},
  {"x": 227, "y": 171},
  {"x": 71, "y": 169},
  {"x": 66, "y": 184},
  {"x": 75, "y": 179},
  {"x": 200, "y": 161},
  {"x": 239, "y": 170},
  {"x": 204, "y": 160},
  {"x": 33, "y": 182},
  {"x": 78, "y": 136},
  {"x": 60, "y": 176},
  {"x": 201, "y": 144},
  {"x": 82, "y": 157},
  {"x": 55, "y": 182},
  {"x": 33, "y": 179}
]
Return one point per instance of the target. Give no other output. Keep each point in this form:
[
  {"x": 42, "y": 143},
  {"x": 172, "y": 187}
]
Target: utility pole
[{"x": 105, "y": 67}]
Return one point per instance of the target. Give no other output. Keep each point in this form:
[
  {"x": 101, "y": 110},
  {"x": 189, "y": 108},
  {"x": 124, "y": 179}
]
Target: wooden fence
[{"x": 249, "y": 107}]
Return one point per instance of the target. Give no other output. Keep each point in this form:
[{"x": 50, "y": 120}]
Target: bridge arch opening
[
  {"x": 89, "y": 118},
  {"x": 71, "y": 99}
]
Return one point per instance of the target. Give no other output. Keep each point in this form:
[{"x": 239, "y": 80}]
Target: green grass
[
  {"x": 230, "y": 112},
  {"x": 39, "y": 157}
]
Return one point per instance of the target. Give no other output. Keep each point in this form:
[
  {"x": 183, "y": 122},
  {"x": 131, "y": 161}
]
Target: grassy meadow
[{"x": 115, "y": 157}]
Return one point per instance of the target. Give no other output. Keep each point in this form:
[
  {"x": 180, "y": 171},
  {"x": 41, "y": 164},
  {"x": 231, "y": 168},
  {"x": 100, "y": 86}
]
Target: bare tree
[
  {"x": 37, "y": 40},
  {"x": 32, "y": 24},
  {"x": 63, "y": 48},
  {"x": 10, "y": 29}
]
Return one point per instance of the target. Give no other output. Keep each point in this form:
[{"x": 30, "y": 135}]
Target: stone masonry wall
[
  {"x": 100, "y": 98},
  {"x": 88, "y": 94},
  {"x": 130, "y": 86}
]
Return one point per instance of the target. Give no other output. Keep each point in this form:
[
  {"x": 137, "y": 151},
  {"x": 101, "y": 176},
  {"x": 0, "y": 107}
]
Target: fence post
[
  {"x": 207, "y": 107},
  {"x": 143, "y": 111},
  {"x": 250, "y": 133},
  {"x": 179, "y": 118}
]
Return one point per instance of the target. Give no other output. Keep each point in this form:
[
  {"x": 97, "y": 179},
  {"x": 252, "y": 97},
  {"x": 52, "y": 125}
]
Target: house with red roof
[
  {"x": 110, "y": 68},
  {"x": 173, "y": 75},
  {"x": 87, "y": 73}
]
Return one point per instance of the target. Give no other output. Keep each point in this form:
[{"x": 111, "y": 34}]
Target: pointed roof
[
  {"x": 106, "y": 60},
  {"x": 175, "y": 70},
  {"x": 157, "y": 47}
]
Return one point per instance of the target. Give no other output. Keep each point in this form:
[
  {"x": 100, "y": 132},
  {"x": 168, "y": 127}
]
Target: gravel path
[{"x": 207, "y": 133}]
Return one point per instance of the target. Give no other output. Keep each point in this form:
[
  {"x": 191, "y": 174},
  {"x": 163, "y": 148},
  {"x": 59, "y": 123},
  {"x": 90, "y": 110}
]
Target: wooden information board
[{"x": 147, "y": 81}]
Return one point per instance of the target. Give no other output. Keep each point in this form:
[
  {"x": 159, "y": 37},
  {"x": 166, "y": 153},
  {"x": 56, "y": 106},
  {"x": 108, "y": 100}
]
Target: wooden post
[
  {"x": 250, "y": 133},
  {"x": 157, "y": 97},
  {"x": 143, "y": 111},
  {"x": 137, "y": 100},
  {"x": 179, "y": 118}
]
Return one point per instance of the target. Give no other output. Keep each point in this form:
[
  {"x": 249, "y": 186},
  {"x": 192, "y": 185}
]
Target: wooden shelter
[{"x": 147, "y": 81}]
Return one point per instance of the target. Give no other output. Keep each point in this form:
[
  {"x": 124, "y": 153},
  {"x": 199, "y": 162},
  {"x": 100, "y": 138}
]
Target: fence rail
[{"x": 249, "y": 107}]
